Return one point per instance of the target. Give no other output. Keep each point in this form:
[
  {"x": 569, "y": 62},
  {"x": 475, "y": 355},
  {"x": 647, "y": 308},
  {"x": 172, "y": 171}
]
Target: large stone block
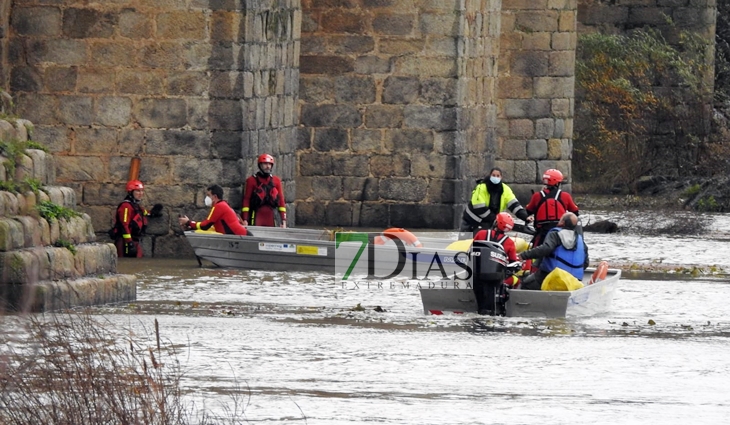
[
  {"x": 338, "y": 214},
  {"x": 441, "y": 191},
  {"x": 432, "y": 117},
  {"x": 43, "y": 165},
  {"x": 351, "y": 165},
  {"x": 370, "y": 65},
  {"x": 359, "y": 188},
  {"x": 419, "y": 216},
  {"x": 328, "y": 188},
  {"x": 40, "y": 109},
  {"x": 390, "y": 165},
  {"x": 329, "y": 65},
  {"x": 401, "y": 89},
  {"x": 366, "y": 140},
  {"x": 424, "y": 67},
  {"x": 383, "y": 116},
  {"x": 342, "y": 21},
  {"x": 189, "y": 83},
  {"x": 374, "y": 214},
  {"x": 438, "y": 91},
  {"x": 130, "y": 81},
  {"x": 433, "y": 166},
  {"x": 173, "y": 246},
  {"x": 407, "y": 140},
  {"x": 182, "y": 24},
  {"x": 25, "y": 79},
  {"x": 527, "y": 108},
  {"x": 537, "y": 149},
  {"x": 330, "y": 116},
  {"x": 161, "y": 113},
  {"x": 196, "y": 170},
  {"x": 135, "y": 24},
  {"x": 529, "y": 63},
  {"x": 172, "y": 196},
  {"x": 403, "y": 189},
  {"x": 354, "y": 89},
  {"x": 96, "y": 140},
  {"x": 79, "y": 168},
  {"x": 316, "y": 89},
  {"x": 113, "y": 53},
  {"x": 112, "y": 111},
  {"x": 330, "y": 139},
  {"x": 164, "y": 55},
  {"x": 89, "y": 23},
  {"x": 310, "y": 213},
  {"x": 393, "y": 24},
  {"x": 351, "y": 44},
  {"x": 36, "y": 21},
  {"x": 11, "y": 233},
  {"x": 178, "y": 142},
  {"x": 535, "y": 21},
  {"x": 75, "y": 110}
]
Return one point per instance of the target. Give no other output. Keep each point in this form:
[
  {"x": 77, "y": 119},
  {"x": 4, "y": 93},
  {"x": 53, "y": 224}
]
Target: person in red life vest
[
  {"x": 549, "y": 205},
  {"x": 503, "y": 223},
  {"x": 130, "y": 221},
  {"x": 263, "y": 196},
  {"x": 221, "y": 217}
]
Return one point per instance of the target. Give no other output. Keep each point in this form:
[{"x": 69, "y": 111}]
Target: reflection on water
[{"x": 298, "y": 343}]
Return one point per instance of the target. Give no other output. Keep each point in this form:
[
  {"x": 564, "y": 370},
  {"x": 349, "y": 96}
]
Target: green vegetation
[
  {"x": 62, "y": 243},
  {"x": 50, "y": 211},
  {"x": 708, "y": 204},
  {"x": 640, "y": 109},
  {"x": 691, "y": 191}
]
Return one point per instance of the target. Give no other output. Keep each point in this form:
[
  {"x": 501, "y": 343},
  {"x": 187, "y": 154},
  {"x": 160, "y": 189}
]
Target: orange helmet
[
  {"x": 504, "y": 222},
  {"x": 552, "y": 177},
  {"x": 266, "y": 158},
  {"x": 134, "y": 185}
]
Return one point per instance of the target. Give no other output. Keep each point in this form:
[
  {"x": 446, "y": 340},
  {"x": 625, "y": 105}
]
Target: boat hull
[{"x": 587, "y": 301}]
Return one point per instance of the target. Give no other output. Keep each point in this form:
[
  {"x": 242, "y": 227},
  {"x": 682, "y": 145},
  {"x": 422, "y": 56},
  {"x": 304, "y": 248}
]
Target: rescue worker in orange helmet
[
  {"x": 549, "y": 205},
  {"x": 263, "y": 196},
  {"x": 130, "y": 221},
  {"x": 221, "y": 217}
]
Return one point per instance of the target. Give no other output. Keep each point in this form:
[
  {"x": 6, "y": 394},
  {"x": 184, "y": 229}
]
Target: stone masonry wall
[
  {"x": 536, "y": 91},
  {"x": 396, "y": 98},
  {"x": 195, "y": 88},
  {"x": 48, "y": 263}
]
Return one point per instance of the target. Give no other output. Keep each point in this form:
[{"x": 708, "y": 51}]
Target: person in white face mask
[
  {"x": 221, "y": 217},
  {"x": 490, "y": 197}
]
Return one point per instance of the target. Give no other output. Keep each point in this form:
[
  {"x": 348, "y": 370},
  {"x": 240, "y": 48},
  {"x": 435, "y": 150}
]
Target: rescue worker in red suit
[
  {"x": 221, "y": 217},
  {"x": 263, "y": 195},
  {"x": 549, "y": 205},
  {"x": 503, "y": 223},
  {"x": 130, "y": 221}
]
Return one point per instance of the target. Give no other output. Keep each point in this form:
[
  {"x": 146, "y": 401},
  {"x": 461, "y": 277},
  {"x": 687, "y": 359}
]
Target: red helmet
[
  {"x": 552, "y": 177},
  {"x": 266, "y": 158},
  {"x": 504, "y": 222},
  {"x": 134, "y": 185}
]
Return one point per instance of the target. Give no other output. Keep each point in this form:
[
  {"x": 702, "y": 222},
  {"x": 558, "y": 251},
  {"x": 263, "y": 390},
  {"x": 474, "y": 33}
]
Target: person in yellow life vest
[
  {"x": 490, "y": 197},
  {"x": 263, "y": 195},
  {"x": 130, "y": 221}
]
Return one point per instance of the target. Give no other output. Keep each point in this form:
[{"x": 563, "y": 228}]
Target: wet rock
[{"x": 602, "y": 226}]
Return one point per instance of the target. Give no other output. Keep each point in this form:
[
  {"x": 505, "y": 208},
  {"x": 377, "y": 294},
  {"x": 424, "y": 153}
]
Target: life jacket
[
  {"x": 137, "y": 223},
  {"x": 549, "y": 210},
  {"x": 499, "y": 240},
  {"x": 570, "y": 260},
  {"x": 265, "y": 194}
]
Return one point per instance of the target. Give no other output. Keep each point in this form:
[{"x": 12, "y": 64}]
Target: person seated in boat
[
  {"x": 490, "y": 197},
  {"x": 130, "y": 221},
  {"x": 263, "y": 196},
  {"x": 548, "y": 205},
  {"x": 563, "y": 248},
  {"x": 221, "y": 217}
]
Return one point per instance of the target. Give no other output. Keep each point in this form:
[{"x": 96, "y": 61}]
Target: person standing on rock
[
  {"x": 263, "y": 196},
  {"x": 490, "y": 197},
  {"x": 130, "y": 221}
]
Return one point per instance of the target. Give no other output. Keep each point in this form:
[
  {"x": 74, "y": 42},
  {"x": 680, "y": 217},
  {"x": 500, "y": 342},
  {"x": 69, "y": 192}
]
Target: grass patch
[{"x": 50, "y": 211}]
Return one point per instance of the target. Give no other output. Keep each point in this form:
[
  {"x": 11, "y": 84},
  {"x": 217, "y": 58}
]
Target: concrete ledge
[{"x": 57, "y": 295}]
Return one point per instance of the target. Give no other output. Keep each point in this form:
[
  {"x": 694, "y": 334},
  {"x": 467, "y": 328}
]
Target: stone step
[
  {"x": 68, "y": 293},
  {"x": 33, "y": 265},
  {"x": 26, "y": 231}
]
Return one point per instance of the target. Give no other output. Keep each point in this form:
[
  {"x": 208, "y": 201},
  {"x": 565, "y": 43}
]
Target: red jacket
[
  {"x": 538, "y": 202},
  {"x": 223, "y": 219},
  {"x": 507, "y": 243},
  {"x": 130, "y": 221},
  {"x": 263, "y": 191}
]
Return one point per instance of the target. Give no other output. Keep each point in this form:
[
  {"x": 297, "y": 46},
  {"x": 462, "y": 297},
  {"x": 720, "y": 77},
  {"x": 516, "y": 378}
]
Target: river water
[{"x": 302, "y": 352}]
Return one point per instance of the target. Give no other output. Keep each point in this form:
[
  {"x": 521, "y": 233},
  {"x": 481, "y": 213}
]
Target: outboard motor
[{"x": 489, "y": 264}]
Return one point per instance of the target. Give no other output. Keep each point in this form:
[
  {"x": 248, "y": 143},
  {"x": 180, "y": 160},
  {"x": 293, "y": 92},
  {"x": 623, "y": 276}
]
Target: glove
[
  {"x": 156, "y": 211},
  {"x": 130, "y": 249}
]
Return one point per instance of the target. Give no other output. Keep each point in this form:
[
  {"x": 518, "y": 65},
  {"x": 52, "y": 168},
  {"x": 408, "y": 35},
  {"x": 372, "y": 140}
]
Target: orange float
[
  {"x": 600, "y": 273},
  {"x": 396, "y": 232}
]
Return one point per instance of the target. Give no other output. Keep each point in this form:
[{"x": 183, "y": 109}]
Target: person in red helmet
[
  {"x": 130, "y": 221},
  {"x": 221, "y": 217},
  {"x": 263, "y": 196},
  {"x": 549, "y": 205},
  {"x": 503, "y": 223}
]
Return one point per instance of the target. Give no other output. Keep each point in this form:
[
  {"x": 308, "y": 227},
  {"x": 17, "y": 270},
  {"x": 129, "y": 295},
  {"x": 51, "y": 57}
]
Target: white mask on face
[
  {"x": 495, "y": 180},
  {"x": 208, "y": 201}
]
